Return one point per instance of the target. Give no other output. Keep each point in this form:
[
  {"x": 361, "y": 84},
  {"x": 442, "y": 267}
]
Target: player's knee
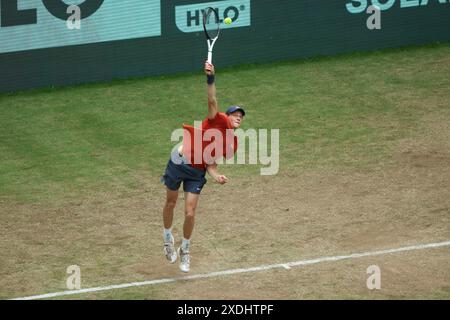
[
  {"x": 189, "y": 212},
  {"x": 170, "y": 203}
]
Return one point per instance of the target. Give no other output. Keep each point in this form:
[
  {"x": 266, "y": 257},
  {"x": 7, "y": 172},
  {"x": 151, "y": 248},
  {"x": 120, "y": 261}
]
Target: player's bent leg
[
  {"x": 169, "y": 206},
  {"x": 169, "y": 241},
  {"x": 190, "y": 205},
  {"x": 191, "y": 201}
]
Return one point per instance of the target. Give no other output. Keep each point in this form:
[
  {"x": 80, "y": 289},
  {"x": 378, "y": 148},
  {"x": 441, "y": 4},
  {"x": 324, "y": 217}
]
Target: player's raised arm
[{"x": 213, "y": 107}]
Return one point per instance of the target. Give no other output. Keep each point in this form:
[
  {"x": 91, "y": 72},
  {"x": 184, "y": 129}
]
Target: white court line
[{"x": 285, "y": 266}]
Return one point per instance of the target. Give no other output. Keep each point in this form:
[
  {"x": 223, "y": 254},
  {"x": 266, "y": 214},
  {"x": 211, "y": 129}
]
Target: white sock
[
  {"x": 167, "y": 235},
  {"x": 185, "y": 245}
]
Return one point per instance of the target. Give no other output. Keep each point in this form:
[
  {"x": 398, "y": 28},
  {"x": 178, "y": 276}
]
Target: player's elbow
[{"x": 212, "y": 101}]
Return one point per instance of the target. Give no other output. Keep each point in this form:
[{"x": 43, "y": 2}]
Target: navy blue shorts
[{"x": 193, "y": 178}]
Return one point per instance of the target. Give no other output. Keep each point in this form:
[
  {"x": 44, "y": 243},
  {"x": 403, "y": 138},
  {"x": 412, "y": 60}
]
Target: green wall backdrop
[{"x": 120, "y": 39}]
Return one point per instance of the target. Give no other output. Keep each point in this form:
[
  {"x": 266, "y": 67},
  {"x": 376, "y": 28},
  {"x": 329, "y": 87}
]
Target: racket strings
[{"x": 211, "y": 23}]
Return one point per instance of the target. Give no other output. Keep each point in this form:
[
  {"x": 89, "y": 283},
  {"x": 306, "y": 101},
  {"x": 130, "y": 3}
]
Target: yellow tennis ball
[{"x": 228, "y": 20}]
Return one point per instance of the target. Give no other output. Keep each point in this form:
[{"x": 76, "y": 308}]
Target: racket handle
[{"x": 209, "y": 56}]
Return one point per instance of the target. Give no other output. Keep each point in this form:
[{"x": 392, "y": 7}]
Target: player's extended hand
[
  {"x": 209, "y": 68},
  {"x": 221, "y": 179}
]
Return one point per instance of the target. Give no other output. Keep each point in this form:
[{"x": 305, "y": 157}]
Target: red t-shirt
[{"x": 215, "y": 139}]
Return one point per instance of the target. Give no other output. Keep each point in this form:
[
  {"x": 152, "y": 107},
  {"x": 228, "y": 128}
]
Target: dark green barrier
[{"x": 266, "y": 30}]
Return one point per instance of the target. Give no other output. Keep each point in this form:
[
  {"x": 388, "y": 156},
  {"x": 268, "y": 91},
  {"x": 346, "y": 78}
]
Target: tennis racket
[{"x": 211, "y": 26}]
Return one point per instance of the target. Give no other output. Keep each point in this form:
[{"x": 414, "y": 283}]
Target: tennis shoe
[
  {"x": 169, "y": 250},
  {"x": 185, "y": 260}
]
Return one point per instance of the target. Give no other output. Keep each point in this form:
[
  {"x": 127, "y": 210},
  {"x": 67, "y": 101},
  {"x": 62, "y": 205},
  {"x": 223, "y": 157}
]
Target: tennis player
[{"x": 183, "y": 168}]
